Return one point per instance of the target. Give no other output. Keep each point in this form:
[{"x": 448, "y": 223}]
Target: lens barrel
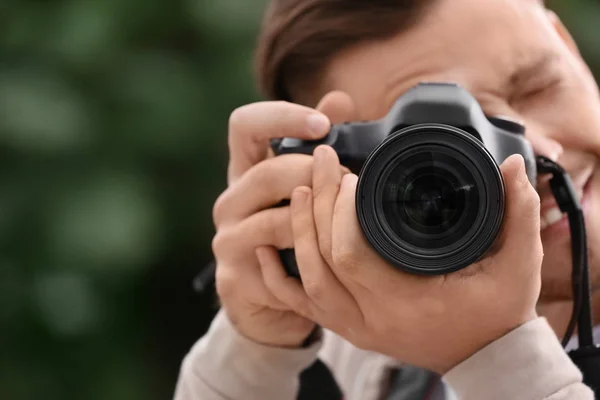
[{"x": 431, "y": 199}]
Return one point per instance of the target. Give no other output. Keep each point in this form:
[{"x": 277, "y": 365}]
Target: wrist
[
  {"x": 301, "y": 334},
  {"x": 528, "y": 362},
  {"x": 475, "y": 346},
  {"x": 223, "y": 356}
]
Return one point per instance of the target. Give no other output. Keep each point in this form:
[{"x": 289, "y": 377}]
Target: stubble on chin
[{"x": 557, "y": 281}]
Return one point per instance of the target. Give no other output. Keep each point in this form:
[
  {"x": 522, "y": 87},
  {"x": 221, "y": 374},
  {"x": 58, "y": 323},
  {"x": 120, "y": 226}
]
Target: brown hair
[{"x": 299, "y": 37}]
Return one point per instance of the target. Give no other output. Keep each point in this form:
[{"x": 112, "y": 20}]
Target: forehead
[{"x": 484, "y": 45}]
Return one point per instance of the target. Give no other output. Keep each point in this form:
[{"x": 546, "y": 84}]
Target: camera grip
[
  {"x": 288, "y": 260},
  {"x": 288, "y": 256}
]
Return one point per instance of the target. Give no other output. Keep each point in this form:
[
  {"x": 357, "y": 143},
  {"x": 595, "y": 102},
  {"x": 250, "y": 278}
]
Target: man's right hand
[{"x": 246, "y": 220}]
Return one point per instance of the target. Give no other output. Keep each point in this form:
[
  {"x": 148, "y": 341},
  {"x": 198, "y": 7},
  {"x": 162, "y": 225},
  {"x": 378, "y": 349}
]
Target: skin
[{"x": 525, "y": 66}]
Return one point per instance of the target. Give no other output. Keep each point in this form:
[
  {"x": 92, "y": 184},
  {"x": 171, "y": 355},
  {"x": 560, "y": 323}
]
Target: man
[{"x": 491, "y": 330}]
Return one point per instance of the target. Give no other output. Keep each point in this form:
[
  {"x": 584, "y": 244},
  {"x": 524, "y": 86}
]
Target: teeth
[
  {"x": 551, "y": 217},
  {"x": 543, "y": 224}
]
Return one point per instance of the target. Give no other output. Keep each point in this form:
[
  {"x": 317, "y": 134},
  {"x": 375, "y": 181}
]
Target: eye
[{"x": 536, "y": 88}]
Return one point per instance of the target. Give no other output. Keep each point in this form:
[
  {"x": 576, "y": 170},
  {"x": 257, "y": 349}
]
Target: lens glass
[{"x": 430, "y": 200}]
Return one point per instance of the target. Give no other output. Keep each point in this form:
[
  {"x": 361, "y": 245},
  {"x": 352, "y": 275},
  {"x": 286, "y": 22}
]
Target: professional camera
[{"x": 430, "y": 197}]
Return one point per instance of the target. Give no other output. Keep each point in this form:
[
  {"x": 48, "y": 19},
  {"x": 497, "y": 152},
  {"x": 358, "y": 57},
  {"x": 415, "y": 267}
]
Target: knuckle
[
  {"x": 314, "y": 289},
  {"x": 303, "y": 239},
  {"x": 522, "y": 179},
  {"x": 217, "y": 244},
  {"x": 282, "y": 229},
  {"x": 264, "y": 175},
  {"x": 237, "y": 118},
  {"x": 221, "y": 242},
  {"x": 226, "y": 281},
  {"x": 271, "y": 221},
  {"x": 325, "y": 247},
  {"x": 302, "y": 307},
  {"x": 534, "y": 199},
  {"x": 219, "y": 208},
  {"x": 322, "y": 192},
  {"x": 345, "y": 259},
  {"x": 532, "y": 203},
  {"x": 327, "y": 190}
]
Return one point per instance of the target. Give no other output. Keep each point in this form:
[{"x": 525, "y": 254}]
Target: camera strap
[{"x": 587, "y": 355}]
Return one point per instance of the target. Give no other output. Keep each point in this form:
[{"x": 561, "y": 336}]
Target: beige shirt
[{"x": 528, "y": 363}]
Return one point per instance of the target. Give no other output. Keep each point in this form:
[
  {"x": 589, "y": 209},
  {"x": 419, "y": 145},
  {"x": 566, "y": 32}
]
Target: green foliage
[
  {"x": 113, "y": 121},
  {"x": 112, "y": 140}
]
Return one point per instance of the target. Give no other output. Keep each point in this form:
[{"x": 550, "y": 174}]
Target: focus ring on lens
[{"x": 437, "y": 142}]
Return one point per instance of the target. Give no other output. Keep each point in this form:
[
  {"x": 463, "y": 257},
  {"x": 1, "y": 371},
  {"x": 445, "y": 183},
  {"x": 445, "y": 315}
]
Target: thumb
[
  {"x": 521, "y": 240},
  {"x": 338, "y": 106}
]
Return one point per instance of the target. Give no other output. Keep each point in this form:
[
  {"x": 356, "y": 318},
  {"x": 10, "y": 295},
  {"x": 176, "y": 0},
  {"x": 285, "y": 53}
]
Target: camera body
[{"x": 430, "y": 197}]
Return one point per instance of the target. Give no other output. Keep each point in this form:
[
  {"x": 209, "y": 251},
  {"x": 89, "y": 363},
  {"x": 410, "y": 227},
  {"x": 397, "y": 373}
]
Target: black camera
[{"x": 430, "y": 197}]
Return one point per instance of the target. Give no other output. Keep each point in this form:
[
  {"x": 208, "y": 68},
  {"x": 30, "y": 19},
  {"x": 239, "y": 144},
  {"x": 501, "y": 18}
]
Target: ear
[{"x": 563, "y": 32}]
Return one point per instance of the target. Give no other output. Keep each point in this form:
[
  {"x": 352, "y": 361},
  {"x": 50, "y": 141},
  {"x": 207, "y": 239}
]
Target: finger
[
  {"x": 263, "y": 186},
  {"x": 284, "y": 288},
  {"x": 252, "y": 126},
  {"x": 355, "y": 263},
  {"x": 247, "y": 276},
  {"x": 320, "y": 284},
  {"x": 520, "y": 238},
  {"x": 266, "y": 228},
  {"x": 234, "y": 248},
  {"x": 338, "y": 106},
  {"x": 326, "y": 186},
  {"x": 349, "y": 248}
]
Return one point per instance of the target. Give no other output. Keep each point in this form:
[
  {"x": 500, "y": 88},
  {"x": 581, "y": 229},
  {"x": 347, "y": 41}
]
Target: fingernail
[{"x": 318, "y": 124}]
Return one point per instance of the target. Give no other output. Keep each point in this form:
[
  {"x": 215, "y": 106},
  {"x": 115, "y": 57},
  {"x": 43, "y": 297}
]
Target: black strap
[{"x": 317, "y": 383}]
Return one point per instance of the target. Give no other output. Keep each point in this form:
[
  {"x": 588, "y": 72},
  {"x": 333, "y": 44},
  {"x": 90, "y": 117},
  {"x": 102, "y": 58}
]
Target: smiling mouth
[{"x": 551, "y": 215}]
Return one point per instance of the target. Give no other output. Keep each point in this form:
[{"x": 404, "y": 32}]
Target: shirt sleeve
[
  {"x": 225, "y": 365},
  {"x": 527, "y": 363}
]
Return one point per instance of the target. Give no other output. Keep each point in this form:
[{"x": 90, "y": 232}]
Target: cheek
[
  {"x": 576, "y": 123},
  {"x": 592, "y": 209},
  {"x": 569, "y": 115},
  {"x": 586, "y": 134}
]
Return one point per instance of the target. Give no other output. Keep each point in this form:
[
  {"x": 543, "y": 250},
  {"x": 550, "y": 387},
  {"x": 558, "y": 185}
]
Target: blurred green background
[{"x": 113, "y": 119}]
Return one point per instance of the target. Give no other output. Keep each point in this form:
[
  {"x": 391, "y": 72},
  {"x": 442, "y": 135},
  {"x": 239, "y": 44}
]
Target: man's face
[{"x": 518, "y": 61}]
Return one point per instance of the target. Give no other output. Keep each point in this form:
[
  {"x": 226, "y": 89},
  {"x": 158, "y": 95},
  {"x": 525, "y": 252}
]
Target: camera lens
[
  {"x": 430, "y": 202},
  {"x": 430, "y": 199}
]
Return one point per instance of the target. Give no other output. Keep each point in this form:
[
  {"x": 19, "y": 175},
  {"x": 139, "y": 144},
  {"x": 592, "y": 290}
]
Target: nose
[{"x": 544, "y": 146}]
